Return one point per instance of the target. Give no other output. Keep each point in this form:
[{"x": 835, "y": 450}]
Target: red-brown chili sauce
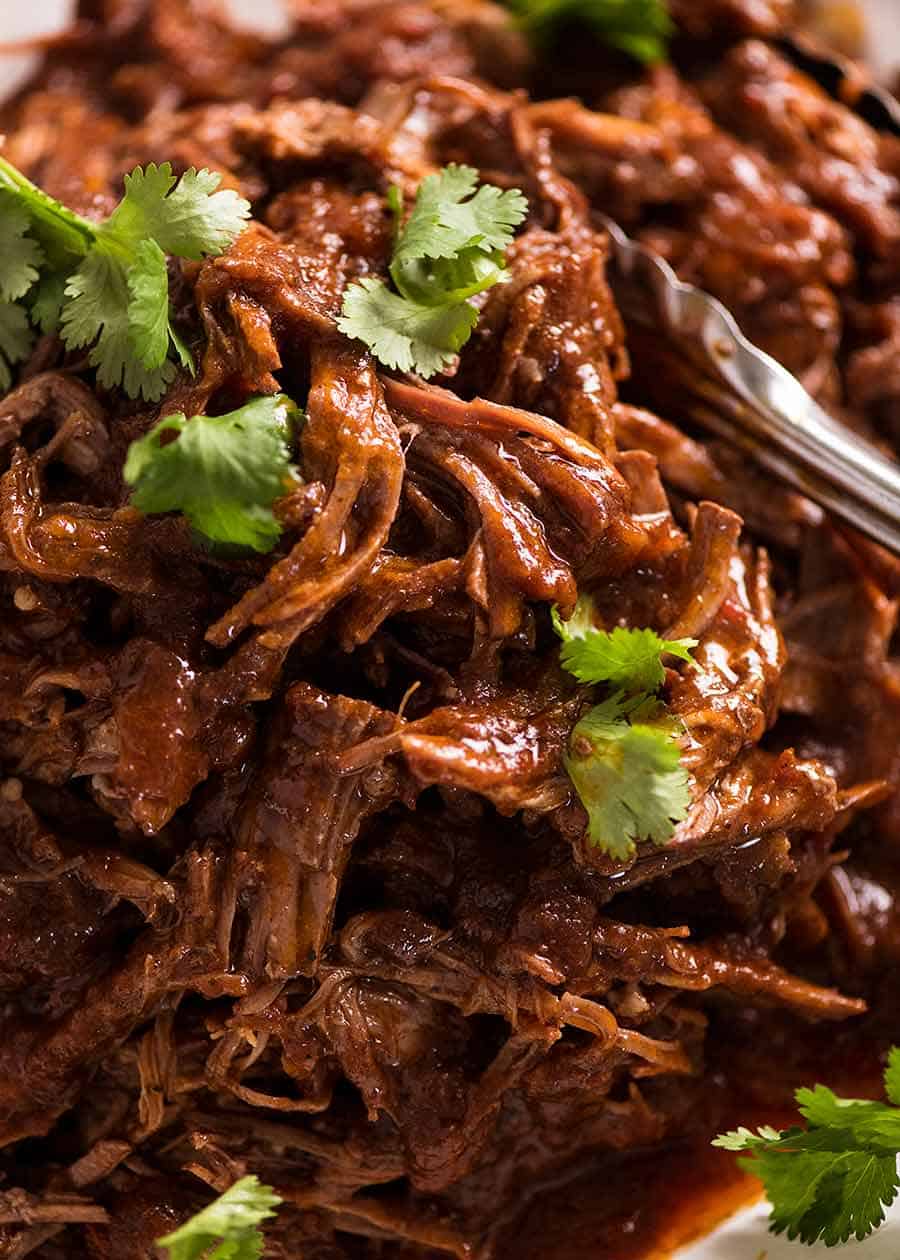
[{"x": 267, "y": 909}]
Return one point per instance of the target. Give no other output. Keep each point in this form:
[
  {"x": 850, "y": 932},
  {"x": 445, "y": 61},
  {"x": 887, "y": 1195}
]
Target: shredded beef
[{"x": 293, "y": 880}]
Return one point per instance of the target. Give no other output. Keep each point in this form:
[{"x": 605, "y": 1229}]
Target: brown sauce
[{"x": 685, "y": 1192}]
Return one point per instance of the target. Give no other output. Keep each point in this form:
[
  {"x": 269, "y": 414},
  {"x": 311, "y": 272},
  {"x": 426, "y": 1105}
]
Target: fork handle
[{"x": 786, "y": 429}]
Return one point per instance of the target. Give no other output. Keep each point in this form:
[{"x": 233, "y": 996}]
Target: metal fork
[
  {"x": 741, "y": 392},
  {"x": 747, "y": 397}
]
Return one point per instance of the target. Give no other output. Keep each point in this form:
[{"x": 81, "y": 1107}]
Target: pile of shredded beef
[{"x": 292, "y": 880}]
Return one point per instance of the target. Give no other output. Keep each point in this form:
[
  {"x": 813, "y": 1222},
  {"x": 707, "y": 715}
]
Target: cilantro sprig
[
  {"x": 106, "y": 284},
  {"x": 625, "y": 658},
  {"x": 450, "y": 248},
  {"x": 228, "y": 1228},
  {"x": 625, "y": 763},
  {"x": 624, "y": 759},
  {"x": 833, "y": 1179},
  {"x": 222, "y": 472},
  {"x": 640, "y": 28}
]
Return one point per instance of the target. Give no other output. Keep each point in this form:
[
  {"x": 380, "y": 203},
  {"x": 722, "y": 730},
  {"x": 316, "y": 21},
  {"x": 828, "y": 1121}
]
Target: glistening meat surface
[{"x": 293, "y": 879}]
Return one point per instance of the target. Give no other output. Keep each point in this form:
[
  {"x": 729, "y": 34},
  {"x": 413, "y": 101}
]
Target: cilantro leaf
[
  {"x": 403, "y": 334},
  {"x": 100, "y": 291},
  {"x": 445, "y": 281},
  {"x": 15, "y": 340},
  {"x": 47, "y": 299},
  {"x": 20, "y": 254},
  {"x": 626, "y": 658},
  {"x": 820, "y": 1107},
  {"x": 447, "y": 218},
  {"x": 820, "y": 1186},
  {"x": 222, "y": 472},
  {"x": 148, "y": 304},
  {"x": 892, "y": 1076},
  {"x": 231, "y": 1221},
  {"x": 624, "y": 761},
  {"x": 869, "y": 1184},
  {"x": 186, "y": 217},
  {"x": 450, "y": 248},
  {"x": 637, "y": 27},
  {"x": 105, "y": 285},
  {"x": 98, "y": 310},
  {"x": 119, "y": 297},
  {"x": 833, "y": 1180}
]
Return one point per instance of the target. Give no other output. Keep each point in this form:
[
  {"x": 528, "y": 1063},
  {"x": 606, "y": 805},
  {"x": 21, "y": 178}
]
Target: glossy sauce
[
  {"x": 690, "y": 1189},
  {"x": 649, "y": 1204}
]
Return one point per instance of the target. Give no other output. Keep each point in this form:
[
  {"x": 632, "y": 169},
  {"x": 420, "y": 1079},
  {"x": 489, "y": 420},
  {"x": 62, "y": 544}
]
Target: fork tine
[{"x": 765, "y": 409}]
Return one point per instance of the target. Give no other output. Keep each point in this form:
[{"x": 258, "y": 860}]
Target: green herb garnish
[
  {"x": 833, "y": 1179},
  {"x": 638, "y": 27},
  {"x": 624, "y": 761},
  {"x": 624, "y": 758},
  {"x": 227, "y": 1229},
  {"x": 222, "y": 472},
  {"x": 106, "y": 284},
  {"x": 625, "y": 658},
  {"x": 451, "y": 247}
]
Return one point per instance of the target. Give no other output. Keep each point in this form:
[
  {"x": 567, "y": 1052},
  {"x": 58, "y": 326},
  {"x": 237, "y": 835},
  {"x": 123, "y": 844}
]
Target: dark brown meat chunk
[
  {"x": 756, "y": 17},
  {"x": 841, "y": 162}
]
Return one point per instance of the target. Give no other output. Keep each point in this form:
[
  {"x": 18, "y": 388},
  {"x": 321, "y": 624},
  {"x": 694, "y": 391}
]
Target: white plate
[{"x": 745, "y": 1236}]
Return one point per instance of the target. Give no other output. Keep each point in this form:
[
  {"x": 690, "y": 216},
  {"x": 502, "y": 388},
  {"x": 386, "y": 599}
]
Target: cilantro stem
[{"x": 70, "y": 231}]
